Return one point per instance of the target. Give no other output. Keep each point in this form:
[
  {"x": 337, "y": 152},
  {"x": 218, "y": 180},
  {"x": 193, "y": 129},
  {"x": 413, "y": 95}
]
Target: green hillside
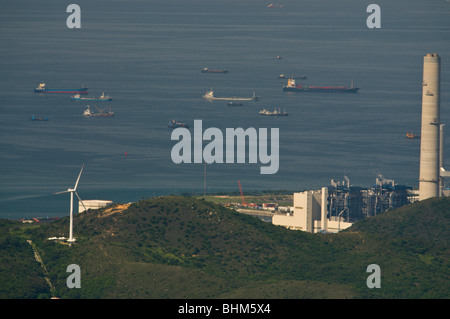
[
  {"x": 20, "y": 275},
  {"x": 180, "y": 247}
]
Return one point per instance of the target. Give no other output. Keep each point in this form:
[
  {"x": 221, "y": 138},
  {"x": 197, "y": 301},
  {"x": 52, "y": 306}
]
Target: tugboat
[
  {"x": 175, "y": 124},
  {"x": 42, "y": 89},
  {"x": 275, "y": 112},
  {"x": 292, "y": 87},
  {"x": 89, "y": 113},
  {"x": 412, "y": 136}
]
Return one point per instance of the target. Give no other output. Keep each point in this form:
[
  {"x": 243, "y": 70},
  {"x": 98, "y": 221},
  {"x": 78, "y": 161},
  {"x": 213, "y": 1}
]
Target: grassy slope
[
  {"x": 412, "y": 245},
  {"x": 21, "y": 275},
  {"x": 177, "y": 247}
]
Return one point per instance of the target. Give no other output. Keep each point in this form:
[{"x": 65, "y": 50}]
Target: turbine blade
[
  {"x": 78, "y": 179},
  {"x": 81, "y": 201},
  {"x": 61, "y": 192}
]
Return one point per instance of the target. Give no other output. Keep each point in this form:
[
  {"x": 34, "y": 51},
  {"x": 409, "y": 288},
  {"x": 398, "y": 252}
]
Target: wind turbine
[{"x": 71, "y": 191}]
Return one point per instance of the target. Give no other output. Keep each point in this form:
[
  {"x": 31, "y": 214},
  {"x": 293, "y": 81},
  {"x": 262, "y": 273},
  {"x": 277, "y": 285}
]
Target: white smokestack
[
  {"x": 429, "y": 145},
  {"x": 441, "y": 158}
]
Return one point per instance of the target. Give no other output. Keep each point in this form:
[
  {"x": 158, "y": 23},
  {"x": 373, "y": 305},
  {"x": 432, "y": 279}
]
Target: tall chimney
[
  {"x": 441, "y": 158},
  {"x": 429, "y": 144}
]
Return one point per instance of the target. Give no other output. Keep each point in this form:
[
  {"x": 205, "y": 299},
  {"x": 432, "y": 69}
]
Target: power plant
[{"x": 336, "y": 207}]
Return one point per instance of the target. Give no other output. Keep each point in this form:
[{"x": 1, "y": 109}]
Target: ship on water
[
  {"x": 412, "y": 136},
  {"x": 292, "y": 87},
  {"x": 206, "y": 70},
  {"x": 34, "y": 118},
  {"x": 210, "y": 96},
  {"x": 43, "y": 89},
  {"x": 234, "y": 103},
  {"x": 102, "y": 97},
  {"x": 302, "y": 77},
  {"x": 275, "y": 112},
  {"x": 101, "y": 112},
  {"x": 175, "y": 124}
]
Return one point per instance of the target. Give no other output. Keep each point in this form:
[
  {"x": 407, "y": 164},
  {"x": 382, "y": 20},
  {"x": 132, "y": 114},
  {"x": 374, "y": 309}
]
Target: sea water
[{"x": 148, "y": 55}]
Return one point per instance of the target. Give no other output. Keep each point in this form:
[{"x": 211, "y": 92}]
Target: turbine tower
[
  {"x": 71, "y": 191},
  {"x": 429, "y": 145}
]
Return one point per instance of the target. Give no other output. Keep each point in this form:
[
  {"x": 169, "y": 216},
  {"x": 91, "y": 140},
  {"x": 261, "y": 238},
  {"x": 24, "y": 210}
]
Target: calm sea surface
[{"x": 148, "y": 56}]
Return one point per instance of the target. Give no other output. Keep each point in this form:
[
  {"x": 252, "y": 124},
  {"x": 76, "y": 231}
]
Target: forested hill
[{"x": 181, "y": 247}]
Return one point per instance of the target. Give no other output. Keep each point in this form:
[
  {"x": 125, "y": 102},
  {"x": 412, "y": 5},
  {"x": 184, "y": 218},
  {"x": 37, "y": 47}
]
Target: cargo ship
[
  {"x": 206, "y": 70},
  {"x": 42, "y": 89},
  {"x": 210, "y": 96},
  {"x": 102, "y": 97},
  {"x": 275, "y": 112},
  {"x": 89, "y": 113},
  {"x": 292, "y": 87}
]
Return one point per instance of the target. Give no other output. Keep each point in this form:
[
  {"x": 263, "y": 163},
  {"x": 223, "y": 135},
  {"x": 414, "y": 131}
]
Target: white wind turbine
[{"x": 71, "y": 191}]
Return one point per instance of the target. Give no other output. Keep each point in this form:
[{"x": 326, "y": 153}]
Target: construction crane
[{"x": 242, "y": 194}]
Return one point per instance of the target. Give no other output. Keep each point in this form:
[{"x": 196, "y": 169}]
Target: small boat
[
  {"x": 175, "y": 124},
  {"x": 34, "y": 118},
  {"x": 412, "y": 136},
  {"x": 206, "y": 70},
  {"x": 89, "y": 113},
  {"x": 275, "y": 5},
  {"x": 102, "y": 97},
  {"x": 234, "y": 103},
  {"x": 275, "y": 112},
  {"x": 303, "y": 77}
]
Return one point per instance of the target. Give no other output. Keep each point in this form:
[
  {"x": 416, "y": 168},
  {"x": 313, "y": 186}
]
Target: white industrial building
[
  {"x": 310, "y": 214},
  {"x": 92, "y": 204}
]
